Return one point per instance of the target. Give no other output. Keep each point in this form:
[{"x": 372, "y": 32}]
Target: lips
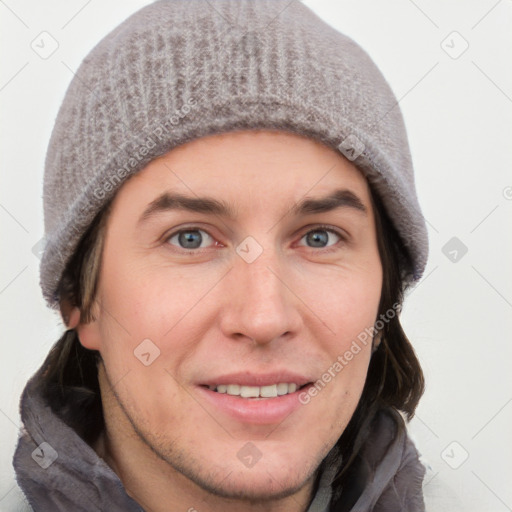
[{"x": 258, "y": 399}]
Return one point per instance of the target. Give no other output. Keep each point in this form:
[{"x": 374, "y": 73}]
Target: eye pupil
[
  {"x": 190, "y": 239},
  {"x": 318, "y": 238}
]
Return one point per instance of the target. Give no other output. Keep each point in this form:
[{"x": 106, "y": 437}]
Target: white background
[{"x": 458, "y": 113}]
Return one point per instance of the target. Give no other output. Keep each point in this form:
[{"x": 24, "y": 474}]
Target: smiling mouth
[{"x": 257, "y": 392}]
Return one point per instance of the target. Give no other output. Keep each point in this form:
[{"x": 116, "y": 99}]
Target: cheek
[
  {"x": 346, "y": 302},
  {"x": 155, "y": 303},
  {"x": 347, "y": 306}
]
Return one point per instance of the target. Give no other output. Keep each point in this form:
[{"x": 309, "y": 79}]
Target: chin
[
  {"x": 274, "y": 473},
  {"x": 252, "y": 485}
]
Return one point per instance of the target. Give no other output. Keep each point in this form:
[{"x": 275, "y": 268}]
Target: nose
[{"x": 259, "y": 303}]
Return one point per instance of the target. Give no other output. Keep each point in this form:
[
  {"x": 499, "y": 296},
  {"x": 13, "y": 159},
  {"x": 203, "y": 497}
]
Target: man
[{"x": 231, "y": 225}]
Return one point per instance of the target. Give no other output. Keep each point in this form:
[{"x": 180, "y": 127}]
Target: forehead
[{"x": 248, "y": 168}]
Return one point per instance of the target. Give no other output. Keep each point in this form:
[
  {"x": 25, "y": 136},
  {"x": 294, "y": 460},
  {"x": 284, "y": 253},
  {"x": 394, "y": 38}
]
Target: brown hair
[
  {"x": 70, "y": 377},
  {"x": 394, "y": 382}
]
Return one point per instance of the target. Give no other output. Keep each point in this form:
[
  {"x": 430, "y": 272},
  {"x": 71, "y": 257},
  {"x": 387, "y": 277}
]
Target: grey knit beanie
[{"x": 181, "y": 69}]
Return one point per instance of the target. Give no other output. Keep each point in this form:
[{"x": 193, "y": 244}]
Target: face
[{"x": 237, "y": 270}]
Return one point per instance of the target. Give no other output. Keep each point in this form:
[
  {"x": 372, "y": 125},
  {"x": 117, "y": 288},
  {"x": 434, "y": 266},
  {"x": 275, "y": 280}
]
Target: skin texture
[{"x": 297, "y": 307}]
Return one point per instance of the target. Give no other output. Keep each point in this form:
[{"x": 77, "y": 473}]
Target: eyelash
[{"x": 320, "y": 227}]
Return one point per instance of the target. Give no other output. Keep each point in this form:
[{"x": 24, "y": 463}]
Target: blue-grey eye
[
  {"x": 191, "y": 239},
  {"x": 320, "y": 238}
]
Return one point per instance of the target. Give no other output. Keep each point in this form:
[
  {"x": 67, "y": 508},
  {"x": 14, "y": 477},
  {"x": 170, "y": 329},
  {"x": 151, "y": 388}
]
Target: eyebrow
[
  {"x": 168, "y": 202},
  {"x": 341, "y": 198}
]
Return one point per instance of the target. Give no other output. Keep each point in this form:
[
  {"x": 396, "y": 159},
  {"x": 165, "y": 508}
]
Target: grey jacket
[{"x": 59, "y": 472}]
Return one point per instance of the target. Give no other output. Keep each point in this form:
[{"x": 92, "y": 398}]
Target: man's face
[{"x": 242, "y": 285}]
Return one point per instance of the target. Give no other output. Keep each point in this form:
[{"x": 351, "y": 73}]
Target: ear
[
  {"x": 88, "y": 333},
  {"x": 70, "y": 314}
]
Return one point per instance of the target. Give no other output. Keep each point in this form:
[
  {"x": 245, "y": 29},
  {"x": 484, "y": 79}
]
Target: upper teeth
[{"x": 256, "y": 391}]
